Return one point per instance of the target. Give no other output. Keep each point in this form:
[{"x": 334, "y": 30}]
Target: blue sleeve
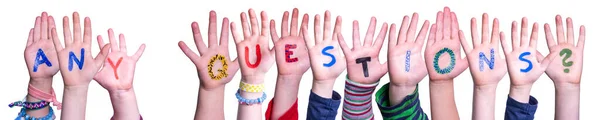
[
  {"x": 520, "y": 111},
  {"x": 320, "y": 108}
]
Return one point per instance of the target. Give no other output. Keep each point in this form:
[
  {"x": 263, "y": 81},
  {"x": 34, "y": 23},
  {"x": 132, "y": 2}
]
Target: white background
[{"x": 166, "y": 82}]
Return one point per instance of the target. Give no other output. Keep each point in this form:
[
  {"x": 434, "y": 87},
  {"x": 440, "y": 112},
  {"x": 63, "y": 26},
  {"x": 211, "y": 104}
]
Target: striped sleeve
[
  {"x": 408, "y": 109},
  {"x": 357, "y": 100}
]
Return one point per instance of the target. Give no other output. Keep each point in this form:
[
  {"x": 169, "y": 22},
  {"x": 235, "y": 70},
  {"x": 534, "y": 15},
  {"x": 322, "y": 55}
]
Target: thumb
[{"x": 99, "y": 60}]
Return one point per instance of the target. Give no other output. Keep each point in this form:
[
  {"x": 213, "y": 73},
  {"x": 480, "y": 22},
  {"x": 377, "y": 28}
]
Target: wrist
[
  {"x": 289, "y": 80},
  {"x": 323, "y": 88},
  {"x": 486, "y": 87},
  {"x": 402, "y": 90},
  {"x": 254, "y": 79},
  {"x": 520, "y": 92},
  {"x": 441, "y": 82},
  {"x": 118, "y": 95},
  {"x": 43, "y": 84}
]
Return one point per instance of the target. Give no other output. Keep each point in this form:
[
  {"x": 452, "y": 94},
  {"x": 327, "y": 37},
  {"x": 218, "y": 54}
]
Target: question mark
[{"x": 567, "y": 54}]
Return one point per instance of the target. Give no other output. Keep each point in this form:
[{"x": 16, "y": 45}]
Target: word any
[
  {"x": 40, "y": 58},
  {"x": 436, "y": 64},
  {"x": 364, "y": 61},
  {"x": 73, "y": 58},
  {"x": 567, "y": 54},
  {"x": 489, "y": 62},
  {"x": 258, "y": 57},
  {"x": 223, "y": 71},
  {"x": 324, "y": 52},
  {"x": 407, "y": 61},
  {"x": 288, "y": 53},
  {"x": 522, "y": 58},
  {"x": 115, "y": 66}
]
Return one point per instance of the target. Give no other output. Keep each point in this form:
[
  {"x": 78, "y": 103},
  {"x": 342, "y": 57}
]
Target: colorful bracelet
[
  {"x": 244, "y": 101},
  {"x": 30, "y": 105},
  {"x": 246, "y": 87},
  {"x": 23, "y": 116}
]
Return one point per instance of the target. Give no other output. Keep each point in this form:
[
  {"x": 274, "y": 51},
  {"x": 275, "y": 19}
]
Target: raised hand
[
  {"x": 442, "y": 54},
  {"x": 77, "y": 65},
  {"x": 214, "y": 66},
  {"x": 254, "y": 46},
  {"x": 118, "y": 74},
  {"x": 566, "y": 68},
  {"x": 365, "y": 58},
  {"x": 327, "y": 62},
  {"x": 406, "y": 65},
  {"x": 486, "y": 65},
  {"x": 40, "y": 54},
  {"x": 290, "y": 49}
]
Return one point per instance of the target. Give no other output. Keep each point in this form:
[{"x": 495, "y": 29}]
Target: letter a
[
  {"x": 324, "y": 52},
  {"x": 522, "y": 58},
  {"x": 483, "y": 59},
  {"x": 73, "y": 58},
  {"x": 258, "y": 56},
  {"x": 40, "y": 58}
]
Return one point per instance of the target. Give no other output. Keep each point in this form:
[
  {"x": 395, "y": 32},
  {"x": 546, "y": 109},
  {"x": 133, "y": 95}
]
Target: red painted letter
[
  {"x": 258, "y": 56},
  {"x": 288, "y": 53},
  {"x": 115, "y": 66}
]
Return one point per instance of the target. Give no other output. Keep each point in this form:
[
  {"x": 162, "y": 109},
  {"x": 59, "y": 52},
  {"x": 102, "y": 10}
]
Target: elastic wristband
[
  {"x": 24, "y": 116},
  {"x": 246, "y": 87},
  {"x": 244, "y": 101}
]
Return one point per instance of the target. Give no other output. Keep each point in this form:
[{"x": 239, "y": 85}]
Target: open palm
[
  {"x": 322, "y": 65},
  {"x": 77, "y": 65},
  {"x": 291, "y": 43},
  {"x": 524, "y": 68},
  {"x": 442, "y": 54},
  {"x": 368, "y": 52},
  {"x": 568, "y": 71},
  {"x": 254, "y": 46},
  {"x": 118, "y": 73},
  {"x": 484, "y": 58},
  {"x": 215, "y": 53},
  {"x": 406, "y": 64},
  {"x": 41, "y": 49}
]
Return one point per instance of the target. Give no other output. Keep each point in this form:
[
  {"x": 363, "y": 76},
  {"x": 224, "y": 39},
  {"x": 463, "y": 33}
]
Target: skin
[
  {"x": 251, "y": 37},
  {"x": 444, "y": 34},
  {"x": 120, "y": 90},
  {"x": 566, "y": 84},
  {"x": 324, "y": 77},
  {"x": 211, "y": 92},
  {"x": 521, "y": 82},
  {"x": 289, "y": 74},
  {"x": 486, "y": 81},
  {"x": 404, "y": 83},
  {"x": 40, "y": 38},
  {"x": 77, "y": 81}
]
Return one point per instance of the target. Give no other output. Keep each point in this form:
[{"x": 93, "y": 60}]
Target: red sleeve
[{"x": 290, "y": 114}]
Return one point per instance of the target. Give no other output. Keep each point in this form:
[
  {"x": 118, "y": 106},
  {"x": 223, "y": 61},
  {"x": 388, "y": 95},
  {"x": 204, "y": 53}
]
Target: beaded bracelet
[
  {"x": 23, "y": 116},
  {"x": 30, "y": 105},
  {"x": 246, "y": 87},
  {"x": 244, "y": 101}
]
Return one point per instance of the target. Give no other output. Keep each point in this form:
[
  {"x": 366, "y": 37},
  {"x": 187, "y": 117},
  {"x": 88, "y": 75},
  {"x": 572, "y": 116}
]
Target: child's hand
[
  {"x": 118, "y": 73},
  {"x": 290, "y": 49},
  {"x": 566, "y": 68},
  {"x": 327, "y": 62},
  {"x": 406, "y": 64},
  {"x": 254, "y": 47},
  {"x": 40, "y": 54},
  {"x": 442, "y": 54}
]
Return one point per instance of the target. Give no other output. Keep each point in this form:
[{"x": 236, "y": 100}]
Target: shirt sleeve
[
  {"x": 516, "y": 110},
  {"x": 357, "y": 100},
  {"x": 408, "y": 109},
  {"x": 320, "y": 108},
  {"x": 290, "y": 114}
]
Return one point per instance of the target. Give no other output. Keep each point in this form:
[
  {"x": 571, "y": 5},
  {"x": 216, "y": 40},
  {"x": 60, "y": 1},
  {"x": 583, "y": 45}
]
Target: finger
[
  {"x": 100, "y": 41},
  {"x": 140, "y": 51},
  {"x": 30, "y": 37},
  {"x": 560, "y": 34},
  {"x": 294, "y": 26},
  {"x": 403, "y": 30},
  {"x": 285, "y": 25},
  {"x": 304, "y": 23},
  {"x": 485, "y": 29},
  {"x": 455, "y": 28},
  {"x": 495, "y": 32},
  {"x": 87, "y": 31},
  {"x": 309, "y": 42},
  {"x": 440, "y": 25},
  {"x": 198, "y": 39},
  {"x": 122, "y": 43},
  {"x": 370, "y": 32},
  {"x": 235, "y": 33},
  {"x": 570, "y": 34},
  {"x": 524, "y": 33},
  {"x": 410, "y": 37},
  {"x": 548, "y": 59},
  {"x": 67, "y": 32},
  {"x": 581, "y": 41},
  {"x": 539, "y": 57},
  {"x": 381, "y": 37},
  {"x": 549, "y": 37},
  {"x": 318, "y": 33},
  {"x": 44, "y": 27},
  {"x": 392, "y": 37},
  {"x": 264, "y": 31},
  {"x": 432, "y": 35},
  {"x": 245, "y": 26},
  {"x": 76, "y": 28},
  {"x": 505, "y": 46},
  {"x": 253, "y": 22},
  {"x": 534, "y": 36},
  {"x": 475, "y": 34},
  {"x": 37, "y": 29},
  {"x": 514, "y": 35},
  {"x": 224, "y": 40},
  {"x": 188, "y": 52},
  {"x": 343, "y": 44},
  {"x": 51, "y": 25},
  {"x": 112, "y": 40},
  {"x": 465, "y": 45},
  {"x": 212, "y": 30},
  {"x": 422, "y": 34},
  {"x": 327, "y": 26},
  {"x": 385, "y": 69},
  {"x": 99, "y": 60},
  {"x": 338, "y": 27},
  {"x": 355, "y": 36},
  {"x": 447, "y": 29},
  {"x": 274, "y": 36},
  {"x": 55, "y": 39}
]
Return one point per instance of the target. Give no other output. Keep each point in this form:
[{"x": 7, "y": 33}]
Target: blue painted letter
[
  {"x": 41, "y": 58},
  {"x": 407, "y": 61},
  {"x": 324, "y": 52},
  {"x": 73, "y": 58},
  {"x": 522, "y": 58},
  {"x": 483, "y": 59}
]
